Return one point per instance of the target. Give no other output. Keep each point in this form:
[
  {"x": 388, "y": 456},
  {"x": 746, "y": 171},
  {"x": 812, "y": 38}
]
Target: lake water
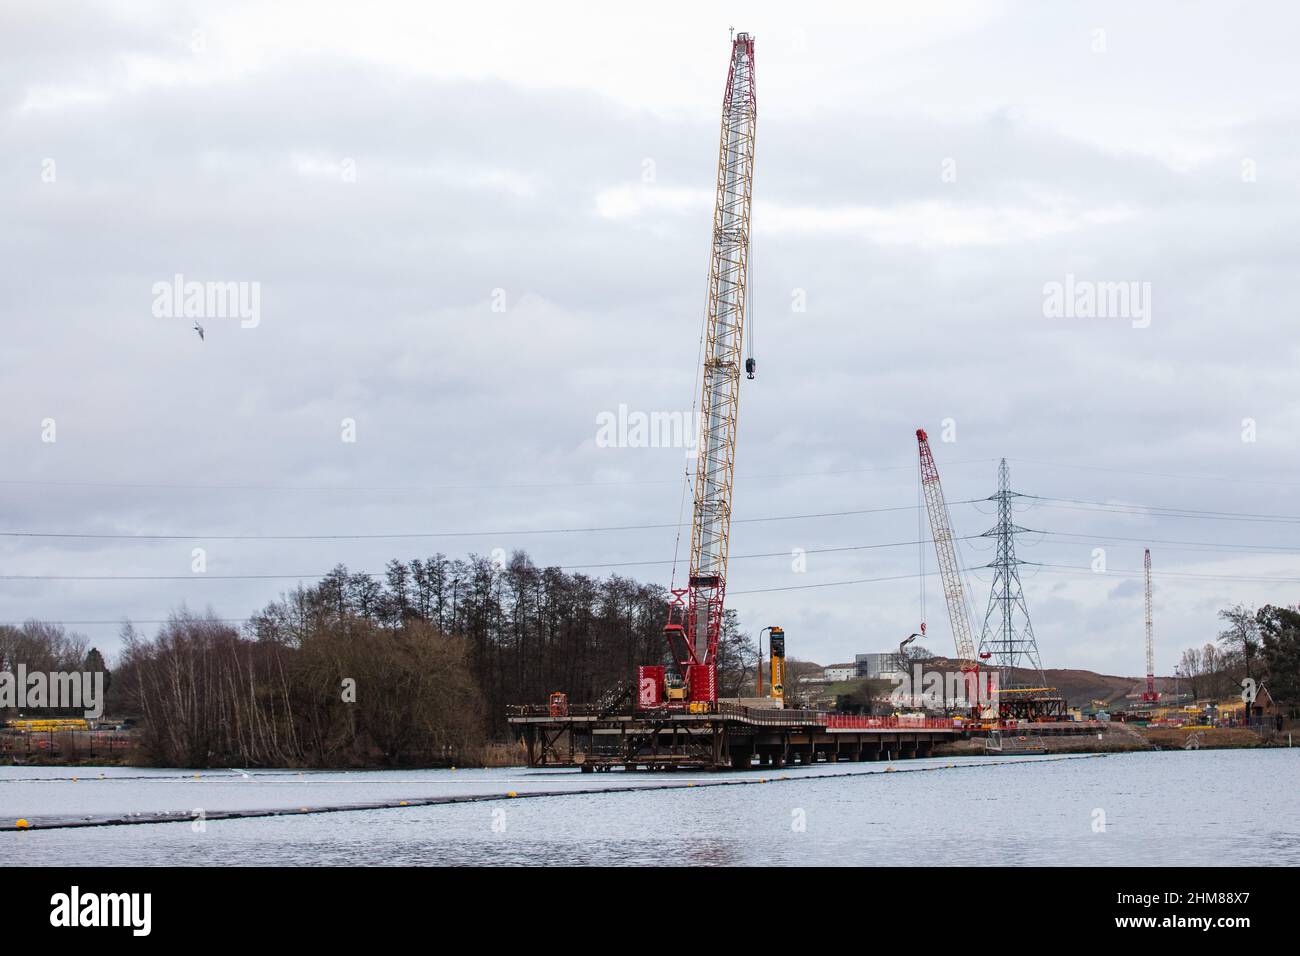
[{"x": 1225, "y": 807}]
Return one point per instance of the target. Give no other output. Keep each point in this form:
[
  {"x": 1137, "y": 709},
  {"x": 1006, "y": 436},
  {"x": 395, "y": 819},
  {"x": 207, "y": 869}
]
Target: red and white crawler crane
[
  {"x": 946, "y": 552},
  {"x": 1149, "y": 694},
  {"x": 695, "y": 615}
]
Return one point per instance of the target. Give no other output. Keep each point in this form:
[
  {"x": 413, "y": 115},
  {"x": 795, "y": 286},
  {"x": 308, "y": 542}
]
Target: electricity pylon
[{"x": 1007, "y": 640}]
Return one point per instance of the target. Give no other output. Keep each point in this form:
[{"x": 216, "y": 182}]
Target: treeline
[
  {"x": 1262, "y": 644},
  {"x": 414, "y": 667},
  {"x": 338, "y": 693},
  {"x": 41, "y": 646},
  {"x": 417, "y": 666},
  {"x": 47, "y": 648},
  {"x": 529, "y": 630}
]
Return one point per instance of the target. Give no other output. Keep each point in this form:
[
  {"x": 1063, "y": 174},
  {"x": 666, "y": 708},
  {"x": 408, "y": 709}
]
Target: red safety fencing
[
  {"x": 848, "y": 722},
  {"x": 87, "y": 743}
]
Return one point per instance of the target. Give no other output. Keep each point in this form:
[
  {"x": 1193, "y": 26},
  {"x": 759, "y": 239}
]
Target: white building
[
  {"x": 840, "y": 672},
  {"x": 876, "y": 665}
]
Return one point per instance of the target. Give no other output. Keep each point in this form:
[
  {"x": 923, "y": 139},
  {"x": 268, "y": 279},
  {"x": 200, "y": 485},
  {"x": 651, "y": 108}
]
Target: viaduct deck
[{"x": 729, "y": 737}]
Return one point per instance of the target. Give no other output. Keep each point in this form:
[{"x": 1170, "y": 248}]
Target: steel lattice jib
[{"x": 695, "y": 622}]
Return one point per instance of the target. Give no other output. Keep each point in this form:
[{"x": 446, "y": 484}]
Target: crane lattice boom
[
  {"x": 1151, "y": 654},
  {"x": 724, "y": 332},
  {"x": 941, "y": 530}
]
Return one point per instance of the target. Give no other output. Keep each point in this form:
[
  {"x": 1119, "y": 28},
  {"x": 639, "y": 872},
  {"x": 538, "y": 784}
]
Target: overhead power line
[
  {"x": 380, "y": 574},
  {"x": 1156, "y": 474},
  {"x": 652, "y": 562},
  {"x": 1141, "y": 572},
  {"x": 1051, "y": 568},
  {"x": 109, "y": 536},
  {"x": 126, "y": 620},
  {"x": 469, "y": 484},
  {"x": 1038, "y": 500},
  {"x": 794, "y": 587},
  {"x": 1224, "y": 546},
  {"x": 456, "y": 486},
  {"x": 1156, "y": 511}
]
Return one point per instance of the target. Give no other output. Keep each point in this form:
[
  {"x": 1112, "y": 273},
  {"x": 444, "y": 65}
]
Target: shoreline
[
  {"x": 1116, "y": 738},
  {"x": 1122, "y": 738}
]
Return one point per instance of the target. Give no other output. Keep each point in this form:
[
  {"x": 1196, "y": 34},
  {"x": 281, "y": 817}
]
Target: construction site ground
[{"x": 1122, "y": 738}]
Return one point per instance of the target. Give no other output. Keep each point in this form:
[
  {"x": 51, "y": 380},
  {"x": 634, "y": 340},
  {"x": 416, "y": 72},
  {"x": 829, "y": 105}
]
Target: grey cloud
[{"x": 376, "y": 302}]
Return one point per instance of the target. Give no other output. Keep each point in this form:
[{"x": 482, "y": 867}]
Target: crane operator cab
[{"x": 674, "y": 686}]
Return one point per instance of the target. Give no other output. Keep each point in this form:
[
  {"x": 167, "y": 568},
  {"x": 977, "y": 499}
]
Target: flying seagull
[{"x": 199, "y": 329}]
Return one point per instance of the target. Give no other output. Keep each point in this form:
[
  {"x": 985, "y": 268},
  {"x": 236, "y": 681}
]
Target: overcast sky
[{"x": 477, "y": 228}]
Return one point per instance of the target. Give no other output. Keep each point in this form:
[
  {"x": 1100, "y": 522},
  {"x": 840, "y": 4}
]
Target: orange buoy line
[{"x": 183, "y": 816}]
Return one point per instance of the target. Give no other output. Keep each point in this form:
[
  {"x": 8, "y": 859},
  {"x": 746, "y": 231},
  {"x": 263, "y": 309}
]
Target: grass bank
[{"x": 1122, "y": 738}]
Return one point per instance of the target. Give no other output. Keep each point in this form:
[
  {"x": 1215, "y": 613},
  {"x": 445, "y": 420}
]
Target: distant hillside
[{"x": 1079, "y": 687}]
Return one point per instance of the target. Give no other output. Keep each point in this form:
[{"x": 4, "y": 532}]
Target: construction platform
[{"x": 729, "y": 737}]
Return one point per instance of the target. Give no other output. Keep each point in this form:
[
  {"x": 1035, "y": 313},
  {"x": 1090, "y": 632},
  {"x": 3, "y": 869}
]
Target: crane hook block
[{"x": 751, "y": 366}]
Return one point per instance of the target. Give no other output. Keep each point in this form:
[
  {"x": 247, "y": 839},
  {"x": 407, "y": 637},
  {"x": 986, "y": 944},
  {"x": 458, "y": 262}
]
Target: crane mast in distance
[
  {"x": 946, "y": 552},
  {"x": 694, "y": 640},
  {"x": 1150, "y": 693}
]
